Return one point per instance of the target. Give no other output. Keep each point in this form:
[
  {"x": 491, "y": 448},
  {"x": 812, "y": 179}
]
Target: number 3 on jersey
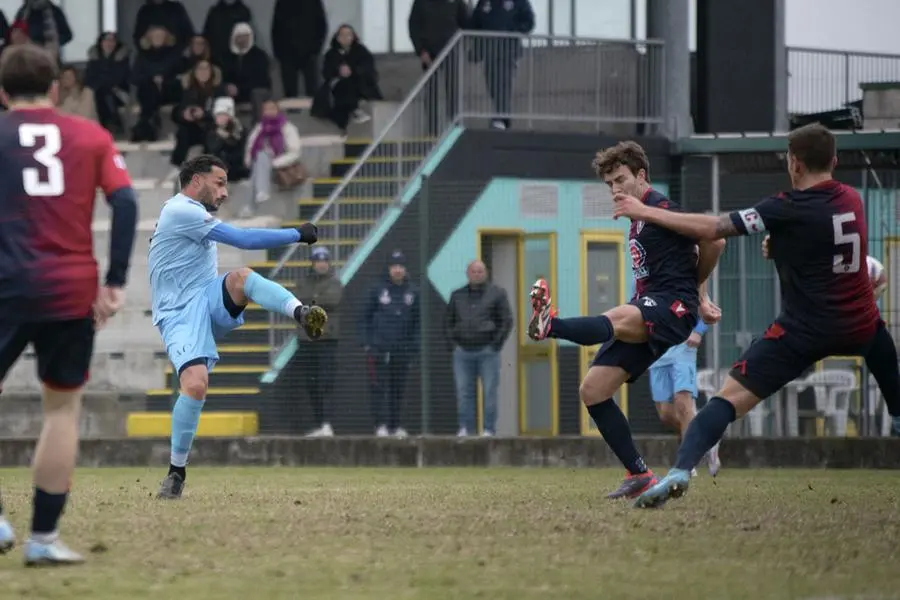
[
  {"x": 46, "y": 155},
  {"x": 843, "y": 238}
]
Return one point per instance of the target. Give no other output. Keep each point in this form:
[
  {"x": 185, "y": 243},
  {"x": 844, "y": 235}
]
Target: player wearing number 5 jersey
[
  {"x": 818, "y": 240},
  {"x": 50, "y": 168}
]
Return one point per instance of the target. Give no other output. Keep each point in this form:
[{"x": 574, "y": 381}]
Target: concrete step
[{"x": 134, "y": 371}]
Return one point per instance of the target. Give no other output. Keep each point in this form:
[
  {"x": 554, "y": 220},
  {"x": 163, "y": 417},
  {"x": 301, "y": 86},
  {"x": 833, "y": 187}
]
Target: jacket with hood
[
  {"x": 35, "y": 14},
  {"x": 203, "y": 98},
  {"x": 432, "y": 23},
  {"x": 478, "y": 316},
  {"x": 390, "y": 319},
  {"x": 293, "y": 146},
  {"x": 169, "y": 14},
  {"x": 247, "y": 69},
  {"x": 360, "y": 61},
  {"x": 324, "y": 290},
  {"x": 299, "y": 28},
  {"x": 108, "y": 72},
  {"x": 150, "y": 61},
  {"x": 220, "y": 22}
]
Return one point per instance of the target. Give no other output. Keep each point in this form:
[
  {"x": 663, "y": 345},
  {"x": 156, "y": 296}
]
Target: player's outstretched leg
[
  {"x": 7, "y": 535},
  {"x": 275, "y": 298},
  {"x": 584, "y": 331},
  {"x": 194, "y": 379},
  {"x": 596, "y": 391},
  {"x": 54, "y": 464}
]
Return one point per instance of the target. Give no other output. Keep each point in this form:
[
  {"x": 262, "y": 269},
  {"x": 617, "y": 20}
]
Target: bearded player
[
  {"x": 818, "y": 240},
  {"x": 669, "y": 295},
  {"x": 51, "y": 165}
]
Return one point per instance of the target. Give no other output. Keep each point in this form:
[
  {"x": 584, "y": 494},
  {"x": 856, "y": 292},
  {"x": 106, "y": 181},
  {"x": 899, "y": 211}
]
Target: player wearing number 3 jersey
[
  {"x": 51, "y": 165},
  {"x": 818, "y": 241}
]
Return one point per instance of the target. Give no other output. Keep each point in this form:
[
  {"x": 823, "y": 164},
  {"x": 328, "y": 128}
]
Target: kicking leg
[
  {"x": 194, "y": 380},
  {"x": 245, "y": 285}
]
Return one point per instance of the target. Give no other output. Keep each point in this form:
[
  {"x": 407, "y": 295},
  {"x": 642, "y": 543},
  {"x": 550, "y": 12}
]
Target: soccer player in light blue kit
[
  {"x": 673, "y": 386},
  {"x": 193, "y": 305}
]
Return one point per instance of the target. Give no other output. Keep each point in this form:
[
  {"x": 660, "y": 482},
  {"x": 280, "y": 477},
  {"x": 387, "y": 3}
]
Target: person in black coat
[
  {"x": 155, "y": 74},
  {"x": 107, "y": 74},
  {"x": 193, "y": 116},
  {"x": 350, "y": 76},
  {"x": 299, "y": 28},
  {"x": 220, "y": 22},
  {"x": 168, "y": 14},
  {"x": 41, "y": 30},
  {"x": 227, "y": 138},
  {"x": 245, "y": 68}
]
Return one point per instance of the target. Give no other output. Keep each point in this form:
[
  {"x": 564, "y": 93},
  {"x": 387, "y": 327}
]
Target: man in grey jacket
[{"x": 477, "y": 323}]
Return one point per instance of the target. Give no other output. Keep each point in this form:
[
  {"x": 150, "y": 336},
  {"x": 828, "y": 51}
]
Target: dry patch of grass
[{"x": 273, "y": 533}]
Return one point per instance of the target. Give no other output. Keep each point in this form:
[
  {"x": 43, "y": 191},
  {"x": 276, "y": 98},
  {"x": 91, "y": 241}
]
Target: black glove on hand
[{"x": 309, "y": 233}]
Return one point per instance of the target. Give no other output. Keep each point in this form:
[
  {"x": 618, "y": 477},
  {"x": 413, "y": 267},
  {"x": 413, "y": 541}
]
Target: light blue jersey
[
  {"x": 182, "y": 261},
  {"x": 187, "y": 291}
]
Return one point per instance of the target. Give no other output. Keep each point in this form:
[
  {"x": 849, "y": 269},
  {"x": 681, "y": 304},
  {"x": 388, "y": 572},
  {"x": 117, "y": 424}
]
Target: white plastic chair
[
  {"x": 832, "y": 389},
  {"x": 876, "y": 401},
  {"x": 709, "y": 382}
]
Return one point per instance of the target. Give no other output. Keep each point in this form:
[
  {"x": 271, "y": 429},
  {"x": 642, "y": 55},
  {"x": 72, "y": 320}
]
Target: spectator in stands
[
  {"x": 168, "y": 14},
  {"x": 155, "y": 76},
  {"x": 107, "y": 74},
  {"x": 193, "y": 116},
  {"x": 501, "y": 55},
  {"x": 245, "y": 68},
  {"x": 478, "y": 322},
  {"x": 273, "y": 151},
  {"x": 350, "y": 77},
  {"x": 4, "y": 29},
  {"x": 389, "y": 329},
  {"x": 432, "y": 24},
  {"x": 17, "y": 34},
  {"x": 74, "y": 97},
  {"x": 219, "y": 25},
  {"x": 299, "y": 28},
  {"x": 47, "y": 24},
  {"x": 317, "y": 361},
  {"x": 227, "y": 138},
  {"x": 197, "y": 50}
]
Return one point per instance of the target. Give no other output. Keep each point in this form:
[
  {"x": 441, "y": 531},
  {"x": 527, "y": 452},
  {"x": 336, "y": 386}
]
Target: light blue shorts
[
  {"x": 192, "y": 334},
  {"x": 673, "y": 376}
]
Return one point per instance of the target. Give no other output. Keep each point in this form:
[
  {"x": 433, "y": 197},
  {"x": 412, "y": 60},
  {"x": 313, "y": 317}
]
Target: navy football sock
[
  {"x": 705, "y": 430},
  {"x": 47, "y": 510},
  {"x": 584, "y": 331},
  {"x": 617, "y": 432}
]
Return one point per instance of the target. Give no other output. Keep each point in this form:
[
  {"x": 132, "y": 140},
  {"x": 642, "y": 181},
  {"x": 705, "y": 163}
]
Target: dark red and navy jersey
[
  {"x": 818, "y": 240},
  {"x": 663, "y": 262},
  {"x": 51, "y": 165}
]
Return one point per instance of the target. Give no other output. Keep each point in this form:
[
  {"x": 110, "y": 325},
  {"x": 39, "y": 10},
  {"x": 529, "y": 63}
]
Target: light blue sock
[
  {"x": 270, "y": 295},
  {"x": 185, "y": 418}
]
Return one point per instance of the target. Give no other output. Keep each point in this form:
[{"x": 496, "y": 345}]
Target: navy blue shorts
[
  {"x": 669, "y": 322},
  {"x": 63, "y": 350}
]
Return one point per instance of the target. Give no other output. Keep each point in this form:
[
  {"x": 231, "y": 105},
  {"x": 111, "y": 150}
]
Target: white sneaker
[
  {"x": 400, "y": 433},
  {"x": 382, "y": 431},
  {"x": 463, "y": 432},
  {"x": 693, "y": 473},
  {"x": 487, "y": 433},
  {"x": 360, "y": 116},
  {"x": 55, "y": 553},
  {"x": 323, "y": 431},
  {"x": 7, "y": 536},
  {"x": 498, "y": 124},
  {"x": 713, "y": 460}
]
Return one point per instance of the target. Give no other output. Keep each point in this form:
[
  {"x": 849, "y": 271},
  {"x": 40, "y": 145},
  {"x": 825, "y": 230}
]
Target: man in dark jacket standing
[
  {"x": 220, "y": 22},
  {"x": 168, "y": 14},
  {"x": 432, "y": 24},
  {"x": 390, "y": 335},
  {"x": 478, "y": 321},
  {"x": 299, "y": 28},
  {"x": 501, "y": 54},
  {"x": 318, "y": 359}
]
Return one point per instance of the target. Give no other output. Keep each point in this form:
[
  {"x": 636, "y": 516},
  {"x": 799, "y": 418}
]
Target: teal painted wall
[{"x": 498, "y": 208}]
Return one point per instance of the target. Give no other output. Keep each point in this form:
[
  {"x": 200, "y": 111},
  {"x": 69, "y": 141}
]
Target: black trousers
[
  {"x": 318, "y": 364},
  {"x": 387, "y": 383},
  {"x": 309, "y": 66},
  {"x": 444, "y": 76},
  {"x": 187, "y": 135},
  {"x": 498, "y": 74}
]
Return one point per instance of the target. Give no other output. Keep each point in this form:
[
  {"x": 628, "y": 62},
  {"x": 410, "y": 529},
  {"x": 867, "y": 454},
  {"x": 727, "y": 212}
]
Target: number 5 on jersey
[
  {"x": 843, "y": 238},
  {"x": 46, "y": 155}
]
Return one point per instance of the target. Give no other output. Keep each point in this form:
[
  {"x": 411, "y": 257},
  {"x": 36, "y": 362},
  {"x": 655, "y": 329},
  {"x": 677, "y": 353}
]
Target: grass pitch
[{"x": 278, "y": 533}]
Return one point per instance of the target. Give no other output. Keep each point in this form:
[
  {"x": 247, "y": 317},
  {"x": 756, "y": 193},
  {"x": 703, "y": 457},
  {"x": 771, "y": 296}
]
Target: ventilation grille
[
  {"x": 596, "y": 202},
  {"x": 538, "y": 201}
]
